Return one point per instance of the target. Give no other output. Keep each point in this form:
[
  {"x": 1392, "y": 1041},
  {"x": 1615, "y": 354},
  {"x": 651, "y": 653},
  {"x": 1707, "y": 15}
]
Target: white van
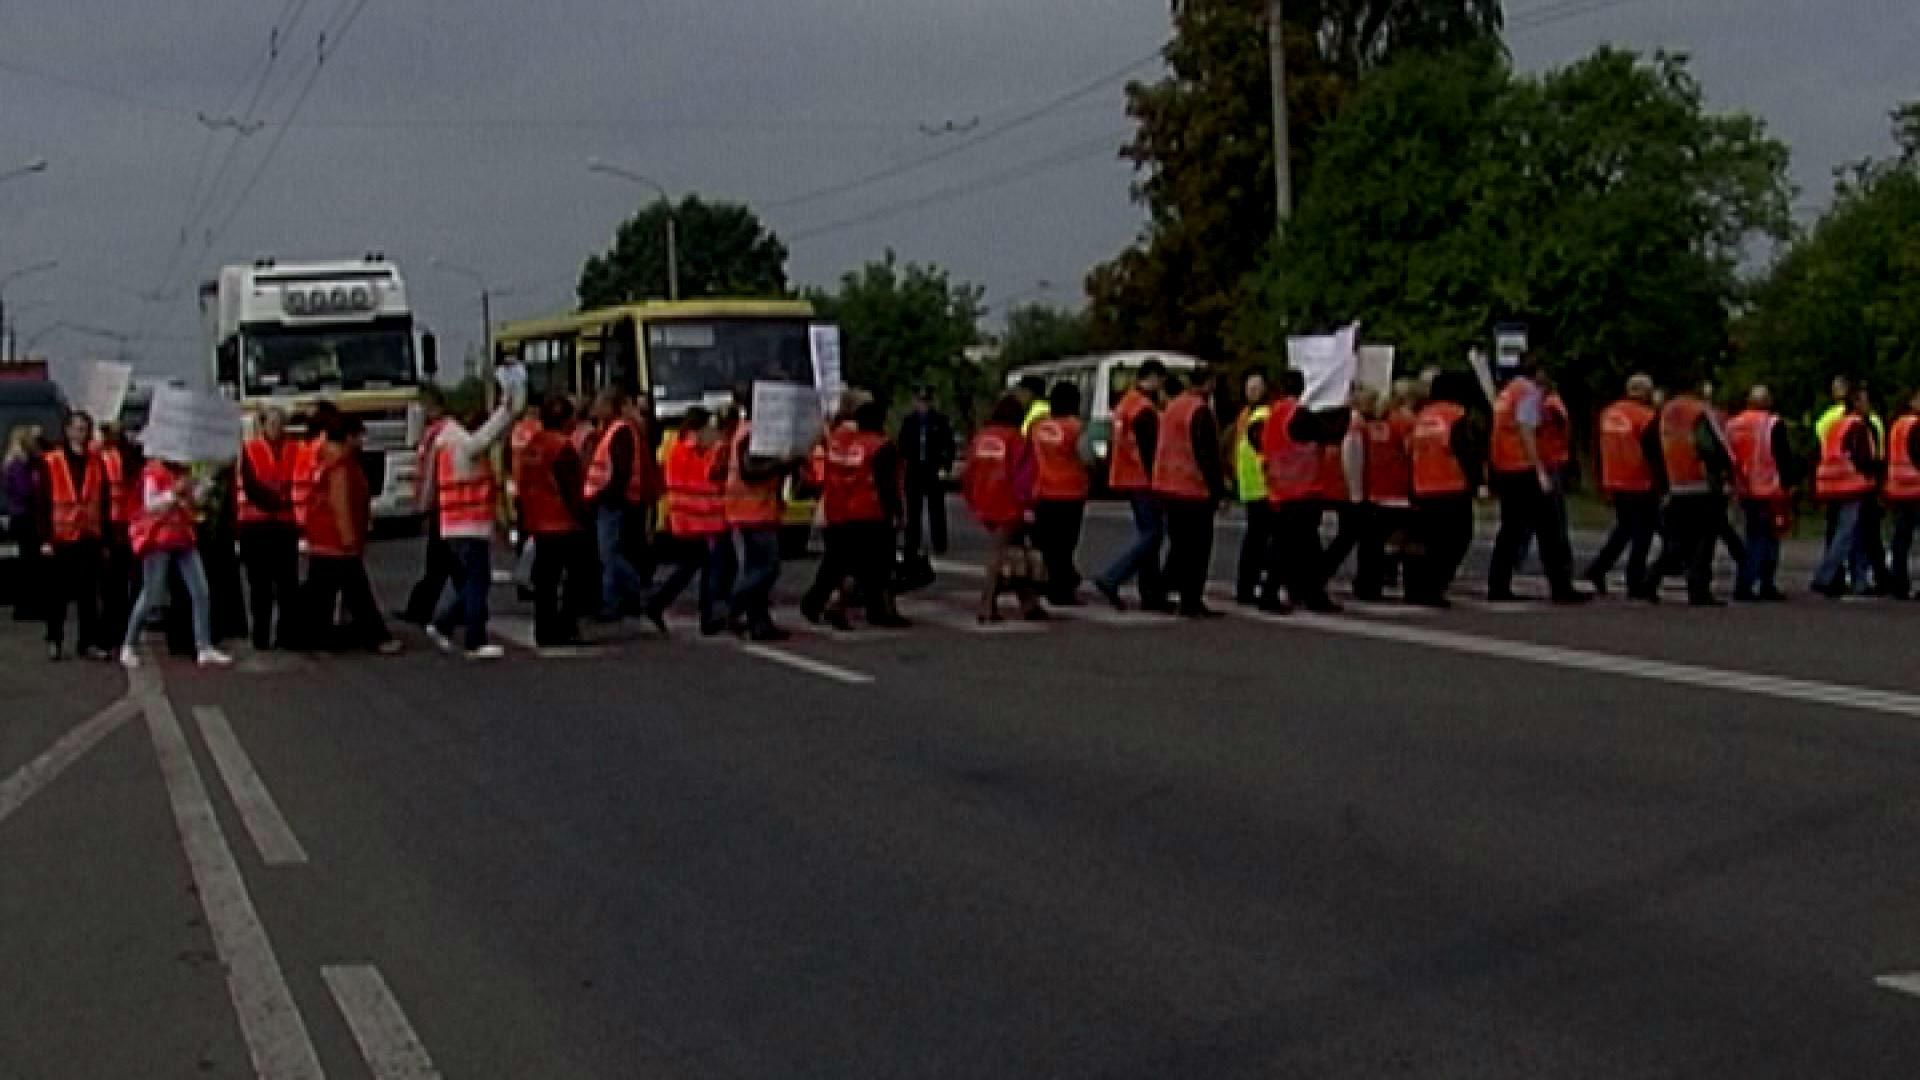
[{"x": 1103, "y": 379}]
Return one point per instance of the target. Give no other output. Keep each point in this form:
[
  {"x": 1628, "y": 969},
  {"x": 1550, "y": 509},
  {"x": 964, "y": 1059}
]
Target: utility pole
[{"x": 1282, "y": 151}]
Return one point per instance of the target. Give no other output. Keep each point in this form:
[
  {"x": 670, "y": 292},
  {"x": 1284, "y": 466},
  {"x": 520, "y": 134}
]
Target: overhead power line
[{"x": 1559, "y": 11}]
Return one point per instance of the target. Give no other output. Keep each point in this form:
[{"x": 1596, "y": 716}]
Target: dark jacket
[
  {"x": 926, "y": 442},
  {"x": 615, "y": 493}
]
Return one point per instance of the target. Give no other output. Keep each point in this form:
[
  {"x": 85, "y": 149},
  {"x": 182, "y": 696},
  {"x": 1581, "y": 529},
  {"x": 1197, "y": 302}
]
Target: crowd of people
[{"x": 602, "y": 507}]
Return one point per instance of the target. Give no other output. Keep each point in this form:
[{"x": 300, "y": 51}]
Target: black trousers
[
  {"x": 1527, "y": 513},
  {"x": 1900, "y": 575},
  {"x": 424, "y": 601},
  {"x": 1189, "y": 550},
  {"x": 863, "y": 552},
  {"x": 925, "y": 493},
  {"x": 1443, "y": 533},
  {"x": 1297, "y": 558},
  {"x": 271, "y": 553},
  {"x": 1346, "y": 534},
  {"x": 75, "y": 580},
  {"x": 118, "y": 583},
  {"x": 1056, "y": 532},
  {"x": 1636, "y": 518},
  {"x": 556, "y": 559},
  {"x": 1694, "y": 523},
  {"x": 341, "y": 581},
  {"x": 1379, "y": 526},
  {"x": 1872, "y": 516},
  {"x": 1256, "y": 551}
]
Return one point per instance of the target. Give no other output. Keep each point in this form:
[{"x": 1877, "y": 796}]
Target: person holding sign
[
  {"x": 469, "y": 496},
  {"x": 1526, "y": 481},
  {"x": 163, "y": 540},
  {"x": 697, "y": 523},
  {"x": 754, "y": 512},
  {"x": 1293, "y": 445}
]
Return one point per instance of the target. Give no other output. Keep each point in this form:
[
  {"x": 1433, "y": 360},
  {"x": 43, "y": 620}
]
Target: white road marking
[
  {"x": 276, "y": 1036},
  {"x": 379, "y": 1025},
  {"x": 258, "y": 812},
  {"x": 1706, "y": 678},
  {"x": 1097, "y": 612},
  {"x": 28, "y": 780},
  {"x": 1901, "y": 982},
  {"x": 807, "y": 664},
  {"x": 513, "y": 631},
  {"x": 935, "y": 613}
]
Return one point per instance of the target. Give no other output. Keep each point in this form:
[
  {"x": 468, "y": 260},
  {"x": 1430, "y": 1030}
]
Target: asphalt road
[{"x": 1495, "y": 842}]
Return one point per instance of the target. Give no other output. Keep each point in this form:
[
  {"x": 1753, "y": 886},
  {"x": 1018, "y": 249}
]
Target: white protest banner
[
  {"x": 188, "y": 427},
  {"x": 1483, "y": 372},
  {"x": 105, "y": 392},
  {"x": 1327, "y": 363},
  {"x": 1375, "y": 368},
  {"x": 825, "y": 341},
  {"x": 786, "y": 420}
]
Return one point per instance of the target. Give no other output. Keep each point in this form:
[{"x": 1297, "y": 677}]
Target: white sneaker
[
  {"x": 439, "y": 639},
  {"x": 129, "y": 659},
  {"x": 486, "y": 652},
  {"x": 213, "y": 658}
]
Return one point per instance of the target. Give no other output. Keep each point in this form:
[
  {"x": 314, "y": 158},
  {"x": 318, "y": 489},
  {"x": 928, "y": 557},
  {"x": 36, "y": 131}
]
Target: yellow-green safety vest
[
  {"x": 1249, "y": 471},
  {"x": 1036, "y": 412}
]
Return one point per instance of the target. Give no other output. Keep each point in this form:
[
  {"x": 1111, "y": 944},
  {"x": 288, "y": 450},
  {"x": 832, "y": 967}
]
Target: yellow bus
[{"x": 676, "y": 355}]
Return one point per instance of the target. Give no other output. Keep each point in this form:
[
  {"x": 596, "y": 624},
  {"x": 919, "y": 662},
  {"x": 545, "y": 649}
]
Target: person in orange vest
[
  {"x": 1764, "y": 470},
  {"x": 1190, "y": 482},
  {"x": 162, "y": 533},
  {"x": 1630, "y": 478},
  {"x": 1902, "y": 494},
  {"x": 269, "y": 537},
  {"x": 1060, "y": 491},
  {"x": 1526, "y": 477},
  {"x": 306, "y": 458},
  {"x": 1343, "y": 480},
  {"x": 1445, "y": 454},
  {"x": 1697, "y": 466},
  {"x": 424, "y": 599},
  {"x": 73, "y": 514},
  {"x": 755, "y": 513},
  {"x": 1000, "y": 484},
  {"x": 121, "y": 462},
  {"x": 337, "y": 520},
  {"x": 1847, "y": 478},
  {"x": 1293, "y": 448},
  {"x": 1386, "y": 487},
  {"x": 469, "y": 492},
  {"x": 861, "y": 501},
  {"x": 697, "y": 524},
  {"x": 549, "y": 478},
  {"x": 1135, "y": 437},
  {"x": 620, "y": 487}
]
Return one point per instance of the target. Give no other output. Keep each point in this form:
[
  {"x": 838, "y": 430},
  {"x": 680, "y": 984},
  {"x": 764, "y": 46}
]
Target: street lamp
[
  {"x": 37, "y": 165},
  {"x": 486, "y": 302},
  {"x": 8, "y": 351},
  {"x": 673, "y": 228}
]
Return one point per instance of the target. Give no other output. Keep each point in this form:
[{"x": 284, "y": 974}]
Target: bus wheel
[{"x": 794, "y": 540}]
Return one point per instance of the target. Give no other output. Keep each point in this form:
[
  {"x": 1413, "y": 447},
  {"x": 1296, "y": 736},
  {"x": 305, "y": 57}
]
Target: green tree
[
  {"x": 905, "y": 325},
  {"x": 1041, "y": 334},
  {"x": 1846, "y": 297},
  {"x": 1204, "y": 148},
  {"x": 724, "y": 250},
  {"x": 1600, "y": 204}
]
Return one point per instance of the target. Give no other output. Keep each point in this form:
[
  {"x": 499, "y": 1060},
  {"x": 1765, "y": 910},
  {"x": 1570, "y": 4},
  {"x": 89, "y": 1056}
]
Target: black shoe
[
  {"x": 1644, "y": 596},
  {"x": 1201, "y": 613},
  {"x": 1599, "y": 583},
  {"x": 1111, "y": 594},
  {"x": 1771, "y": 596},
  {"x": 1276, "y": 607},
  {"x": 1571, "y": 598},
  {"x": 1503, "y": 596},
  {"x": 768, "y": 634},
  {"x": 712, "y": 627},
  {"x": 1066, "y": 600},
  {"x": 658, "y": 618},
  {"x": 810, "y": 612},
  {"x": 1831, "y": 592},
  {"x": 1246, "y": 599},
  {"x": 1745, "y": 596},
  {"x": 1370, "y": 596},
  {"x": 888, "y": 620},
  {"x": 839, "y": 621},
  {"x": 1160, "y": 607},
  {"x": 1705, "y": 600},
  {"x": 1323, "y": 606},
  {"x": 1438, "y": 603}
]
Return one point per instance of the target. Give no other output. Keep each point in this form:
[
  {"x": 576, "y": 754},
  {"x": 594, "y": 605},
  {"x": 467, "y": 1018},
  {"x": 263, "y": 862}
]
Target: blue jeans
[
  {"x": 153, "y": 584},
  {"x": 1844, "y": 551},
  {"x": 760, "y": 570},
  {"x": 1142, "y": 557},
  {"x": 1763, "y": 550},
  {"x": 622, "y": 589},
  {"x": 472, "y": 579}
]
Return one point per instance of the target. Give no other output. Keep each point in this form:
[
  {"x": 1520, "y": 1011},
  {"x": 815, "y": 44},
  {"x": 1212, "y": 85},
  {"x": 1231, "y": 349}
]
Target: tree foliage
[
  {"x": 1846, "y": 297},
  {"x": 1600, "y": 204},
  {"x": 903, "y": 326},
  {"x": 1204, "y": 147},
  {"x": 724, "y": 250},
  {"x": 1041, "y": 334}
]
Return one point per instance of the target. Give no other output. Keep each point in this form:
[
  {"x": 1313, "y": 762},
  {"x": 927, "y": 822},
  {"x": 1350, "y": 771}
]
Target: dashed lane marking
[
  {"x": 30, "y": 779},
  {"x": 379, "y": 1025},
  {"x": 258, "y": 812},
  {"x": 807, "y": 664},
  {"x": 1901, "y": 982}
]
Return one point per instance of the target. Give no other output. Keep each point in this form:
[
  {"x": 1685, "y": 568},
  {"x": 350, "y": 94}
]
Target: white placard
[
  {"x": 1483, "y": 372},
  {"x": 786, "y": 420},
  {"x": 825, "y": 341},
  {"x": 1375, "y": 368},
  {"x": 105, "y": 391},
  {"x": 188, "y": 427},
  {"x": 1327, "y": 362}
]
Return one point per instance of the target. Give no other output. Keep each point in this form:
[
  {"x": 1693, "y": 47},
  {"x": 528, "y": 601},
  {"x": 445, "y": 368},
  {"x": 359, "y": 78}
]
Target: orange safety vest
[
  {"x": 1389, "y": 471},
  {"x": 1126, "y": 469},
  {"x": 1176, "y": 473},
  {"x": 273, "y": 469},
  {"x": 1686, "y": 473},
  {"x": 992, "y": 462},
  {"x": 1508, "y": 452},
  {"x": 465, "y": 505},
  {"x": 307, "y": 460},
  {"x": 749, "y": 504},
  {"x": 1623, "y": 459},
  {"x": 523, "y": 432},
  {"x": 1333, "y": 464},
  {"x": 695, "y": 510},
  {"x": 1059, "y": 474},
  {"x": 851, "y": 493},
  {"x": 1436, "y": 469},
  {"x": 1903, "y": 476},
  {"x": 1838, "y": 478},
  {"x": 1292, "y": 468},
  {"x": 76, "y": 510},
  {"x": 326, "y": 533},
  {"x": 1750, "y": 438},
  {"x": 639, "y": 470},
  {"x": 423, "y": 464},
  {"x": 165, "y": 530},
  {"x": 1556, "y": 433},
  {"x": 543, "y": 506},
  {"x": 120, "y": 497}
]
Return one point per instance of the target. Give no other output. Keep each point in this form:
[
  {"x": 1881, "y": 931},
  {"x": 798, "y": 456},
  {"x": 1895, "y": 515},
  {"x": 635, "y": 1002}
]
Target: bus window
[
  {"x": 617, "y": 359},
  {"x": 691, "y": 359}
]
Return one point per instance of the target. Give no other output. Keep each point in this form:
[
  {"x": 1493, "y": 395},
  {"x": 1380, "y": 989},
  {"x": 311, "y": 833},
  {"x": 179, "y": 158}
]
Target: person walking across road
[
  {"x": 1136, "y": 432},
  {"x": 1697, "y": 464},
  {"x": 1250, "y": 488},
  {"x": 754, "y": 512},
  {"x": 697, "y": 524},
  {"x": 1293, "y": 447},
  {"x": 926, "y": 453},
  {"x": 1630, "y": 467},
  {"x": 21, "y": 499},
  {"x": 73, "y": 513},
  {"x": 620, "y": 486},
  {"x": 269, "y": 537},
  {"x": 1847, "y": 478},
  {"x": 163, "y": 539},
  {"x": 1060, "y": 491},
  {"x": 424, "y": 599},
  {"x": 1763, "y": 474},
  {"x": 120, "y": 460},
  {"x": 1903, "y": 495},
  {"x": 1190, "y": 482},
  {"x": 861, "y": 502},
  {"x": 1001, "y": 480},
  {"x": 469, "y": 495},
  {"x": 1527, "y": 482},
  {"x": 1386, "y": 471},
  {"x": 550, "y": 480},
  {"x": 1446, "y": 458},
  {"x": 1343, "y": 481},
  {"x": 338, "y": 518},
  {"x": 1032, "y": 392}
]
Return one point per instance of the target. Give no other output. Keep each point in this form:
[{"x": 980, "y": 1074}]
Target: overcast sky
[{"x": 462, "y": 128}]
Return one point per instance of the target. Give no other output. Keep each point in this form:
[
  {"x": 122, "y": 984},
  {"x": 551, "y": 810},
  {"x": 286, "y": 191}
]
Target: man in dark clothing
[
  {"x": 1903, "y": 463},
  {"x": 1444, "y": 522},
  {"x": 1698, "y": 466},
  {"x": 1189, "y": 513},
  {"x": 1529, "y": 489},
  {"x": 926, "y": 453},
  {"x": 1298, "y": 559},
  {"x": 71, "y": 537}
]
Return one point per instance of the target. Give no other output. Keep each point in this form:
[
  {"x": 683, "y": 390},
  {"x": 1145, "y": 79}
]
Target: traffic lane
[
  {"x": 1151, "y": 863},
  {"x": 40, "y": 701}
]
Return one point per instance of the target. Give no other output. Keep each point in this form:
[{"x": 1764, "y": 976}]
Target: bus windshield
[
  {"x": 692, "y": 359},
  {"x": 288, "y": 360}
]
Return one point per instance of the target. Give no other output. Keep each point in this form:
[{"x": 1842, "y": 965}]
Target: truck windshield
[
  {"x": 287, "y": 360},
  {"x": 690, "y": 360}
]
